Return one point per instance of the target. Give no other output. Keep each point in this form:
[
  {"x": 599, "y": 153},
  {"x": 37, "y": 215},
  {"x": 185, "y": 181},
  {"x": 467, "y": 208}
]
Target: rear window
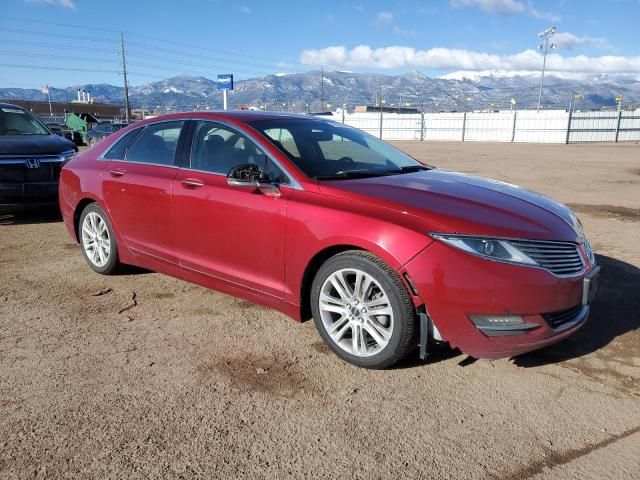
[
  {"x": 157, "y": 144},
  {"x": 119, "y": 150}
]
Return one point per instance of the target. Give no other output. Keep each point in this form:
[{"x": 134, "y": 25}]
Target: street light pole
[{"x": 546, "y": 34}]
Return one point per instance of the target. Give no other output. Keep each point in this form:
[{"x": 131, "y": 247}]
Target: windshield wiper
[
  {"x": 344, "y": 174},
  {"x": 408, "y": 169}
]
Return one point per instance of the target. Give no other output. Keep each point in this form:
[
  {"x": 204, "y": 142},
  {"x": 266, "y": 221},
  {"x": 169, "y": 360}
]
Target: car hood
[
  {"x": 464, "y": 204},
  {"x": 34, "y": 145}
]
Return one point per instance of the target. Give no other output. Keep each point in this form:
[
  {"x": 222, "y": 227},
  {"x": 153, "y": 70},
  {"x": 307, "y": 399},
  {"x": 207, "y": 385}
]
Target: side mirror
[{"x": 249, "y": 175}]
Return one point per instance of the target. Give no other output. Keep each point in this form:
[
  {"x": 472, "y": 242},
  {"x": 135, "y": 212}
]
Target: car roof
[
  {"x": 9, "y": 105},
  {"x": 243, "y": 116}
]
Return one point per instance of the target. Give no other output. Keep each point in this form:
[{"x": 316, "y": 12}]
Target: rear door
[{"x": 137, "y": 191}]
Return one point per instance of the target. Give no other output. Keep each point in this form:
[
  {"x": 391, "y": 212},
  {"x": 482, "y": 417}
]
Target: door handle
[
  {"x": 192, "y": 183},
  {"x": 117, "y": 172}
]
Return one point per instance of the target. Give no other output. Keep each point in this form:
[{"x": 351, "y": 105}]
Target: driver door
[{"x": 232, "y": 233}]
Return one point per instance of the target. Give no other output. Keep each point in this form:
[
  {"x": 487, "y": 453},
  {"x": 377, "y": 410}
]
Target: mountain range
[{"x": 303, "y": 91}]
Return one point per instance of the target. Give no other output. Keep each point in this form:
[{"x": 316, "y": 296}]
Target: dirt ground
[{"x": 144, "y": 376}]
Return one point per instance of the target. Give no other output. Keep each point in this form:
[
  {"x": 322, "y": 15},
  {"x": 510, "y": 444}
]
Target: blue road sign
[{"x": 225, "y": 81}]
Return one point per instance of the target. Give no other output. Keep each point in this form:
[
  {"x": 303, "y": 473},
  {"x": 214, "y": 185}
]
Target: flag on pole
[{"x": 45, "y": 89}]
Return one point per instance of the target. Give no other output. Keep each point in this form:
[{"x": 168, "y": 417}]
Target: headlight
[
  {"x": 491, "y": 248},
  {"x": 66, "y": 156}
]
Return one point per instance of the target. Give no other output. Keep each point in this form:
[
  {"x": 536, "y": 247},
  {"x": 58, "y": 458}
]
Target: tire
[
  {"x": 97, "y": 240},
  {"x": 380, "y": 340}
]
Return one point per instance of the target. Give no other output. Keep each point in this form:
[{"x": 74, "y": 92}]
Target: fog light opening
[{"x": 501, "y": 324}]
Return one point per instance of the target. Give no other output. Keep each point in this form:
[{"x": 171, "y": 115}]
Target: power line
[
  {"x": 57, "y": 46},
  {"x": 58, "y": 57},
  {"x": 62, "y": 69},
  {"x": 59, "y": 35},
  {"x": 155, "y": 39},
  {"x": 205, "y": 57}
]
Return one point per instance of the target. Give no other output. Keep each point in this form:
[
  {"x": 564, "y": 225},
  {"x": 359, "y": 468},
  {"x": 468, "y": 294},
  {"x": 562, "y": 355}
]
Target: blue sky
[{"x": 254, "y": 37}]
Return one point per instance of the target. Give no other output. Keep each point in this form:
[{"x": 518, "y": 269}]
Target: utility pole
[
  {"x": 322, "y": 88},
  {"x": 126, "y": 85},
  {"x": 546, "y": 34}
]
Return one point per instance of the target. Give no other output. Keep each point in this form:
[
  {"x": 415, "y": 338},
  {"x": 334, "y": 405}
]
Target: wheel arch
[
  {"x": 77, "y": 212},
  {"x": 316, "y": 261}
]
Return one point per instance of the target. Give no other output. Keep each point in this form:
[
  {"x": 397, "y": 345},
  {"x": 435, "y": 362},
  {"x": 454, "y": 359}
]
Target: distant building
[
  {"x": 373, "y": 108},
  {"x": 101, "y": 111}
]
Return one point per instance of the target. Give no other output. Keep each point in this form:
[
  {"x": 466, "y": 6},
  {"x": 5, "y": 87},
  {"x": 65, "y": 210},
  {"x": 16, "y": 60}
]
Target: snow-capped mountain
[{"x": 301, "y": 91}]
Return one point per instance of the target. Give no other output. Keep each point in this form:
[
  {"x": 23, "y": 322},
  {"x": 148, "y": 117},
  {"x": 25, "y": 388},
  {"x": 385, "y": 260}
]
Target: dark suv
[{"x": 31, "y": 157}]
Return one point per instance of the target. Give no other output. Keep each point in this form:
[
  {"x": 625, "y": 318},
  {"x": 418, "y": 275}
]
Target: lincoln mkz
[{"x": 317, "y": 219}]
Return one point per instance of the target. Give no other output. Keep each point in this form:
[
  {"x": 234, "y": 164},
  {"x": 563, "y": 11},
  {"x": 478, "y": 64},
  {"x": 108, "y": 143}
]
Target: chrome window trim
[
  {"x": 143, "y": 163},
  {"x": 293, "y": 182},
  {"x": 507, "y": 239},
  {"x": 143, "y": 128}
]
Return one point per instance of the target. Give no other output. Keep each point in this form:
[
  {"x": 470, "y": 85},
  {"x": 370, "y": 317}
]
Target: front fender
[{"x": 317, "y": 223}]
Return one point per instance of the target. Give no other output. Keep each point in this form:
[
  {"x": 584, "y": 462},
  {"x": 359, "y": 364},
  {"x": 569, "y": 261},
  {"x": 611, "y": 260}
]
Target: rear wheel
[
  {"x": 97, "y": 240},
  {"x": 362, "y": 310}
]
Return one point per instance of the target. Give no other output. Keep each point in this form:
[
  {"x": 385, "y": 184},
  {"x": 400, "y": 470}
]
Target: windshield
[
  {"x": 14, "y": 121},
  {"x": 327, "y": 150}
]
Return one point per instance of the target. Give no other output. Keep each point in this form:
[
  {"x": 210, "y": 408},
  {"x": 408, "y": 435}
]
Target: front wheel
[
  {"x": 97, "y": 240},
  {"x": 362, "y": 310}
]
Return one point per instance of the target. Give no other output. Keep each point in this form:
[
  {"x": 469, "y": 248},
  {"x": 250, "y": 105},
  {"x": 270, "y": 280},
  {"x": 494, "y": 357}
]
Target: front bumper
[
  {"x": 22, "y": 185},
  {"x": 16, "y": 197},
  {"x": 456, "y": 285}
]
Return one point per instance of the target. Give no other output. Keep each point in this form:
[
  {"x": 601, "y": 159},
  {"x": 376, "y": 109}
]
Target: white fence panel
[
  {"x": 443, "y": 126},
  {"x": 401, "y": 127},
  {"x": 364, "y": 121},
  {"x": 489, "y": 127},
  {"x": 541, "y": 127},
  {"x": 593, "y": 127},
  {"x": 509, "y": 126},
  {"x": 629, "y": 127}
]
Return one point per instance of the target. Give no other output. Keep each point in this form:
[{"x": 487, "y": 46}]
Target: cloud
[
  {"x": 58, "y": 3},
  {"x": 569, "y": 41},
  {"x": 243, "y": 9},
  {"x": 505, "y": 7},
  {"x": 552, "y": 17},
  {"x": 492, "y": 6},
  {"x": 405, "y": 32},
  {"x": 382, "y": 18},
  {"x": 401, "y": 57}
]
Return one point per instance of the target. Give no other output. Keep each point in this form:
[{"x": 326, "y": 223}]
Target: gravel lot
[{"x": 144, "y": 376}]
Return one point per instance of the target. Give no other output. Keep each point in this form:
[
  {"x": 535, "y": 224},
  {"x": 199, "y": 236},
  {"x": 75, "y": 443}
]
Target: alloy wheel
[
  {"x": 95, "y": 239},
  {"x": 356, "y": 312}
]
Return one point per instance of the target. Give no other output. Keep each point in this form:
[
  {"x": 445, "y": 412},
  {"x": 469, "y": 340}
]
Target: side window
[
  {"x": 156, "y": 144},
  {"x": 119, "y": 150},
  {"x": 217, "y": 149}
]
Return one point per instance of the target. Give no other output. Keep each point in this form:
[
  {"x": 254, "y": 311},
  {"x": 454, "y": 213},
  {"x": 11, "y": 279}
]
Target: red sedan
[{"x": 315, "y": 218}]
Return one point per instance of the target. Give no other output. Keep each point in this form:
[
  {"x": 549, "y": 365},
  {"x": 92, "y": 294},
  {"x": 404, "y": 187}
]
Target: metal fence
[{"x": 524, "y": 126}]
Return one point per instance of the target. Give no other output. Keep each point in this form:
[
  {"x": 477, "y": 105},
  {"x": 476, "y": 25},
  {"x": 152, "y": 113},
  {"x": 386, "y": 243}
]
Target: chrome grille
[{"x": 560, "y": 258}]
